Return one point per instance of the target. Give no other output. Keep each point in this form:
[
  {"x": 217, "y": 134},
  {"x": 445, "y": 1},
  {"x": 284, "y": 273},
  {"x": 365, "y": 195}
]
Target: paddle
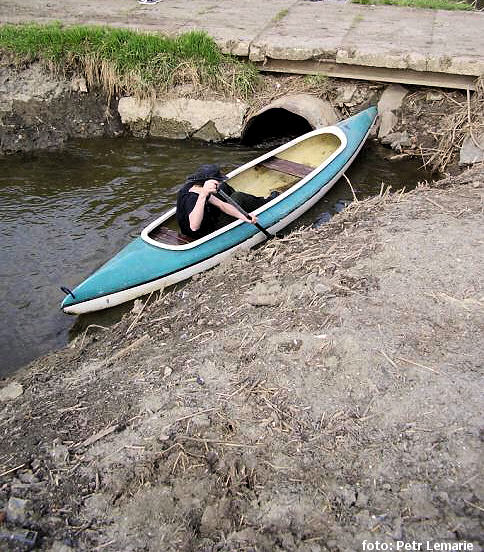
[{"x": 228, "y": 199}]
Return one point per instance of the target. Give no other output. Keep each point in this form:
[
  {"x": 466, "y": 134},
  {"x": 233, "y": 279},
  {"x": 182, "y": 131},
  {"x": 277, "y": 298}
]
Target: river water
[{"x": 64, "y": 213}]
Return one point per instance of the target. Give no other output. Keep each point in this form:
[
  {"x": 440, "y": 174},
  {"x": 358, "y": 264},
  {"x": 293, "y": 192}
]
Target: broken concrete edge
[
  {"x": 258, "y": 51},
  {"x": 209, "y": 120},
  {"x": 215, "y": 120}
]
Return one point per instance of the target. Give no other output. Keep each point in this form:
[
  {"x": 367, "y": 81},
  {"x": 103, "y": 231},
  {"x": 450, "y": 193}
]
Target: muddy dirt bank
[
  {"x": 40, "y": 109},
  {"x": 319, "y": 391}
]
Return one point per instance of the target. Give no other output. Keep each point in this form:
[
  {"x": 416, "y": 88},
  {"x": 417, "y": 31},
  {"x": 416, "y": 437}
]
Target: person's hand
[
  {"x": 209, "y": 187},
  {"x": 252, "y": 219}
]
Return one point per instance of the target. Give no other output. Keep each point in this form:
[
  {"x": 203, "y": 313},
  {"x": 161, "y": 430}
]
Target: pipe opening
[{"x": 274, "y": 125}]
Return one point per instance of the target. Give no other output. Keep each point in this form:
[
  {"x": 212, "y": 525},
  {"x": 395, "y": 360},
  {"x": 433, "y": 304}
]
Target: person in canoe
[{"x": 200, "y": 212}]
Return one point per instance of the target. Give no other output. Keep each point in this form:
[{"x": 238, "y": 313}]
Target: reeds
[
  {"x": 467, "y": 119},
  {"x": 141, "y": 64}
]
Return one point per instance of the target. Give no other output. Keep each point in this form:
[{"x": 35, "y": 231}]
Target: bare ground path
[{"x": 320, "y": 391}]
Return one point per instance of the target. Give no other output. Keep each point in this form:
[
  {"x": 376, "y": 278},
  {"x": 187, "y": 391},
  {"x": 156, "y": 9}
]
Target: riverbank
[
  {"x": 43, "y": 110},
  {"x": 314, "y": 393}
]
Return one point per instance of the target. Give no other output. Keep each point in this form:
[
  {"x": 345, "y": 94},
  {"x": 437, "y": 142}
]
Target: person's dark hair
[{"x": 205, "y": 172}]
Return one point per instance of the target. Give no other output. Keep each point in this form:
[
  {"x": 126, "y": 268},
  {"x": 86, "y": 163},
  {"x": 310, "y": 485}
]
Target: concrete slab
[
  {"x": 309, "y": 30},
  {"x": 457, "y": 43},
  {"x": 381, "y": 40},
  {"x": 365, "y": 72},
  {"x": 233, "y": 25}
]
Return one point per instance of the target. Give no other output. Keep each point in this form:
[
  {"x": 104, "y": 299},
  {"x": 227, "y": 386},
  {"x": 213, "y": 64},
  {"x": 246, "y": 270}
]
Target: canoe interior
[
  {"x": 276, "y": 173},
  {"x": 261, "y": 180}
]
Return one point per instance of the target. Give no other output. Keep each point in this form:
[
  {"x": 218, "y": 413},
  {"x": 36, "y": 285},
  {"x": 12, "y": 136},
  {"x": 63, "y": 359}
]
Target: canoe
[{"x": 303, "y": 171}]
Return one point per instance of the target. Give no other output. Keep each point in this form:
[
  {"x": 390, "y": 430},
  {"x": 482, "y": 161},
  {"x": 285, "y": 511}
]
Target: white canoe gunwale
[{"x": 145, "y": 234}]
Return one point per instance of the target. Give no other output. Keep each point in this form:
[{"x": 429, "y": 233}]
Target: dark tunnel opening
[{"x": 273, "y": 126}]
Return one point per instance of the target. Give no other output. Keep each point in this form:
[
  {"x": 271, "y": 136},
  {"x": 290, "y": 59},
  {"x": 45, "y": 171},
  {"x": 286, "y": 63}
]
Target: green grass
[
  {"x": 137, "y": 63},
  {"x": 428, "y": 4},
  {"x": 318, "y": 81},
  {"x": 280, "y": 15}
]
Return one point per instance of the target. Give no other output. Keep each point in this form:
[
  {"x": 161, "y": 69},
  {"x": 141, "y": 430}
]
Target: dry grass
[{"x": 467, "y": 118}]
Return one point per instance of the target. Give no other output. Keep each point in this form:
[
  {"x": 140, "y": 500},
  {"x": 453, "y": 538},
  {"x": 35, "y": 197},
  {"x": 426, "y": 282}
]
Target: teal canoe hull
[{"x": 141, "y": 267}]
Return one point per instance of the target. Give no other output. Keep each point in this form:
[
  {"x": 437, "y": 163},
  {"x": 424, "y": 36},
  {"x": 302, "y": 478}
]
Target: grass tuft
[
  {"x": 280, "y": 15},
  {"x": 123, "y": 60},
  {"x": 319, "y": 80}
]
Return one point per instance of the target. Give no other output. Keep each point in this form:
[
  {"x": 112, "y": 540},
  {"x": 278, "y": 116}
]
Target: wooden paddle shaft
[{"x": 228, "y": 199}]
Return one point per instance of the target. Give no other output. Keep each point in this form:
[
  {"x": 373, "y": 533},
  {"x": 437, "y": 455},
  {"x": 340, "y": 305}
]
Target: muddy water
[{"x": 62, "y": 214}]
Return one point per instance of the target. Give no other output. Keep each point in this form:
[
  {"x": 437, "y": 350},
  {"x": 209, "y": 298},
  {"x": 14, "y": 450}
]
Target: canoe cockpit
[{"x": 279, "y": 170}]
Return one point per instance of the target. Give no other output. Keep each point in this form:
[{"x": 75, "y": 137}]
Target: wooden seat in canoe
[
  {"x": 169, "y": 236},
  {"x": 287, "y": 167}
]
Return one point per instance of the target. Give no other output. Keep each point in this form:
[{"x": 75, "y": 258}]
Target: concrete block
[
  {"x": 211, "y": 119},
  {"x": 470, "y": 153},
  {"x": 457, "y": 43},
  {"x": 390, "y": 101},
  {"x": 132, "y": 110}
]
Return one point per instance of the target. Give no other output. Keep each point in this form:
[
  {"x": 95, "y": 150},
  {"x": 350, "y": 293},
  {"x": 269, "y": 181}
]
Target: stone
[
  {"x": 137, "y": 306},
  {"x": 17, "y": 510},
  {"x": 79, "y": 84},
  {"x": 470, "y": 153},
  {"x": 345, "y": 94},
  {"x": 257, "y": 53},
  {"x": 397, "y": 140},
  {"x": 60, "y": 453},
  {"x": 434, "y": 96},
  {"x": 390, "y": 101},
  {"x": 28, "y": 477},
  {"x": 132, "y": 109},
  {"x": 211, "y": 120},
  {"x": 169, "y": 128},
  {"x": 321, "y": 289},
  {"x": 11, "y": 391},
  {"x": 208, "y": 133}
]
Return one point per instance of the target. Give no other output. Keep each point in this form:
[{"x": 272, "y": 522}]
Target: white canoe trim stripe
[{"x": 120, "y": 297}]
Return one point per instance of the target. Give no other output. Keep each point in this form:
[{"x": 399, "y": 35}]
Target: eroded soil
[{"x": 319, "y": 391}]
